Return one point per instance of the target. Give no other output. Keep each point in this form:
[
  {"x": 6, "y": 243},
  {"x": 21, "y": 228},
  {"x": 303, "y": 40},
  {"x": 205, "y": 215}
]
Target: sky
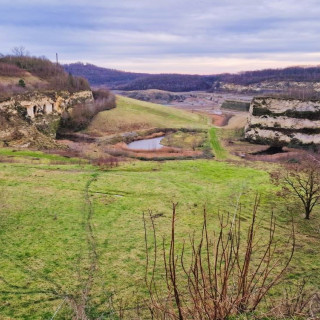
[{"x": 160, "y": 36}]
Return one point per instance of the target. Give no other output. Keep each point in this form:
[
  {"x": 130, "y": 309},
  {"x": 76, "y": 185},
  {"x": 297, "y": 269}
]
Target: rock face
[
  {"x": 266, "y": 86},
  {"x": 284, "y": 122},
  {"x": 32, "y": 120}
]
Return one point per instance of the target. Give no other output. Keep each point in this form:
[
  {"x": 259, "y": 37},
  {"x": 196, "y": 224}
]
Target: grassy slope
[
  {"x": 132, "y": 114},
  {"x": 43, "y": 230},
  {"x": 28, "y": 78}
]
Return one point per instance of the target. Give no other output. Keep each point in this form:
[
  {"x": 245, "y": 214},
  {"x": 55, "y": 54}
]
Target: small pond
[{"x": 146, "y": 144}]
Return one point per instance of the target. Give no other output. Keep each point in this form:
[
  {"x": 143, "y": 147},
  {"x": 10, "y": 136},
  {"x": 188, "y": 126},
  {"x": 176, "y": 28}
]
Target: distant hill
[
  {"x": 296, "y": 74},
  {"x": 115, "y": 79},
  {"x": 121, "y": 80},
  {"x": 98, "y": 76},
  {"x": 170, "y": 82}
]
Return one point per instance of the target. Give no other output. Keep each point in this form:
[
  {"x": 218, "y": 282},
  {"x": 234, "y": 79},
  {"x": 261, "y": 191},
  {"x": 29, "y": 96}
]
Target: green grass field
[
  {"x": 54, "y": 215},
  {"x": 71, "y": 231},
  {"x": 218, "y": 150},
  {"x": 132, "y": 114}
]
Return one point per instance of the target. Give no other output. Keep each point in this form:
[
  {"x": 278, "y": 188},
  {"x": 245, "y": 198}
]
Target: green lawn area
[
  {"x": 218, "y": 150},
  {"x": 131, "y": 114},
  {"x": 35, "y": 156},
  {"x": 47, "y": 212}
]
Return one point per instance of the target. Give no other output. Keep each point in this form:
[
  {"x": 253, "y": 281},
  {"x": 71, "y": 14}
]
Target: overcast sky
[{"x": 184, "y": 36}]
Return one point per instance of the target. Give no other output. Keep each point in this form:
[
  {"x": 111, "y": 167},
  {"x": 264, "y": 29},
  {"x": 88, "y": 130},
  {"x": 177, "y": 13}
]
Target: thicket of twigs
[
  {"x": 82, "y": 114},
  {"x": 218, "y": 275}
]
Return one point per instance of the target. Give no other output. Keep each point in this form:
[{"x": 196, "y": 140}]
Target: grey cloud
[{"x": 149, "y": 29}]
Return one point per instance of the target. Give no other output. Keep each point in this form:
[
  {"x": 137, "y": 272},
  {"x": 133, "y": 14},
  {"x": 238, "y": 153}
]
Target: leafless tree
[
  {"x": 301, "y": 180},
  {"x": 222, "y": 276},
  {"x": 20, "y": 51}
]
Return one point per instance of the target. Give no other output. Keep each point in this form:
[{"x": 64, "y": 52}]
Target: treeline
[
  {"x": 10, "y": 70},
  {"x": 170, "y": 82},
  {"x": 115, "y": 79},
  {"x": 98, "y": 76},
  {"x": 296, "y": 74},
  {"x": 53, "y": 75},
  {"x": 121, "y": 80}
]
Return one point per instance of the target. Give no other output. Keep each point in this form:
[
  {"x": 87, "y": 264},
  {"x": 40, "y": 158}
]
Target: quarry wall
[
  {"x": 283, "y": 122},
  {"x": 33, "y": 118}
]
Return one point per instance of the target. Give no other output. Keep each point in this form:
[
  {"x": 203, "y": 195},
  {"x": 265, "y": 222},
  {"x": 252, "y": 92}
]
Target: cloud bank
[{"x": 204, "y": 36}]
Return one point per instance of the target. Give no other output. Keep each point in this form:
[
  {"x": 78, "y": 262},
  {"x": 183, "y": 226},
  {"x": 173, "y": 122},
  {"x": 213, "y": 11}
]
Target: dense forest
[{"x": 121, "y": 80}]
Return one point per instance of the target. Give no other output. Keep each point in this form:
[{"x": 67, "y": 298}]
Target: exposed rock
[
  {"x": 32, "y": 119},
  {"x": 281, "y": 122},
  {"x": 266, "y": 86}
]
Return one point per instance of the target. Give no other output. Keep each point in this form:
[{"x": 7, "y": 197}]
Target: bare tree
[
  {"x": 20, "y": 51},
  {"x": 216, "y": 277},
  {"x": 301, "y": 180}
]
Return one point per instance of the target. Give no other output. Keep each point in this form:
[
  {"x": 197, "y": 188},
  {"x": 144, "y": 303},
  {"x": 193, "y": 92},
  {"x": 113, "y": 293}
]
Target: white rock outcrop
[
  {"x": 282, "y": 121},
  {"x": 34, "y": 118}
]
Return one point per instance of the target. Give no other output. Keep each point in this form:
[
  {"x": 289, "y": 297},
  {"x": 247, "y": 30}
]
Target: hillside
[
  {"x": 295, "y": 74},
  {"x": 98, "y": 76},
  {"x": 132, "y": 114},
  {"x": 260, "y": 80},
  {"x": 170, "y": 82},
  {"x": 21, "y": 74},
  {"x": 122, "y": 80}
]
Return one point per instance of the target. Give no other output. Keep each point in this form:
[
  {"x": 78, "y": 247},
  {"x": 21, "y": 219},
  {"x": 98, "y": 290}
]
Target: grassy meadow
[
  {"x": 71, "y": 230},
  {"x": 53, "y": 214}
]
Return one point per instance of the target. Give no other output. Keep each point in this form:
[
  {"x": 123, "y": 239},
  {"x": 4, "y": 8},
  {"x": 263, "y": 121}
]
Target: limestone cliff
[
  {"x": 281, "y": 122},
  {"x": 32, "y": 119},
  {"x": 266, "y": 86}
]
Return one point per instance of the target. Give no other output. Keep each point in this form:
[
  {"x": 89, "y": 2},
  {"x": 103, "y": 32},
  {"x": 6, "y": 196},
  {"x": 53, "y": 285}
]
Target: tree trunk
[{"x": 307, "y": 213}]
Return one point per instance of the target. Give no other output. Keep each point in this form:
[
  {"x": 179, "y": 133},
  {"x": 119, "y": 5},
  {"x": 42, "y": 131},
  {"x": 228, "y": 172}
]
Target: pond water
[{"x": 146, "y": 144}]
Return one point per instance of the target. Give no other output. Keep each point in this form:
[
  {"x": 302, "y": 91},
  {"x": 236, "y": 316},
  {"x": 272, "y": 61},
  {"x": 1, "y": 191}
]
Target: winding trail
[{"x": 91, "y": 241}]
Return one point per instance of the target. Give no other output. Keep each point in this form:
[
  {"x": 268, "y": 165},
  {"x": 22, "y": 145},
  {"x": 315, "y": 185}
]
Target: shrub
[
  {"x": 9, "y": 70},
  {"x": 82, "y": 114},
  {"x": 216, "y": 277},
  {"x": 21, "y": 83}
]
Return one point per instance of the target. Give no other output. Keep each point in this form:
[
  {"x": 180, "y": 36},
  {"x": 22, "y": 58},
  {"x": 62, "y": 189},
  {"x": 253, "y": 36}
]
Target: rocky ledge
[{"x": 32, "y": 119}]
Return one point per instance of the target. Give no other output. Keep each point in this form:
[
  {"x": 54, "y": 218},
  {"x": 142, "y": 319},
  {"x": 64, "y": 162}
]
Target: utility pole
[{"x": 57, "y": 60}]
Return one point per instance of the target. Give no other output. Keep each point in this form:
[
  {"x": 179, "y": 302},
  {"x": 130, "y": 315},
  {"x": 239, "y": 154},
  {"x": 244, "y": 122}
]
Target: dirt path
[{"x": 79, "y": 302}]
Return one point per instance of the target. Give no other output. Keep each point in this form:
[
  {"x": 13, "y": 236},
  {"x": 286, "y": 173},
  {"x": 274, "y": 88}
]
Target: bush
[
  {"x": 21, "y": 83},
  {"x": 82, "y": 114},
  {"x": 9, "y": 70},
  {"x": 218, "y": 276}
]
